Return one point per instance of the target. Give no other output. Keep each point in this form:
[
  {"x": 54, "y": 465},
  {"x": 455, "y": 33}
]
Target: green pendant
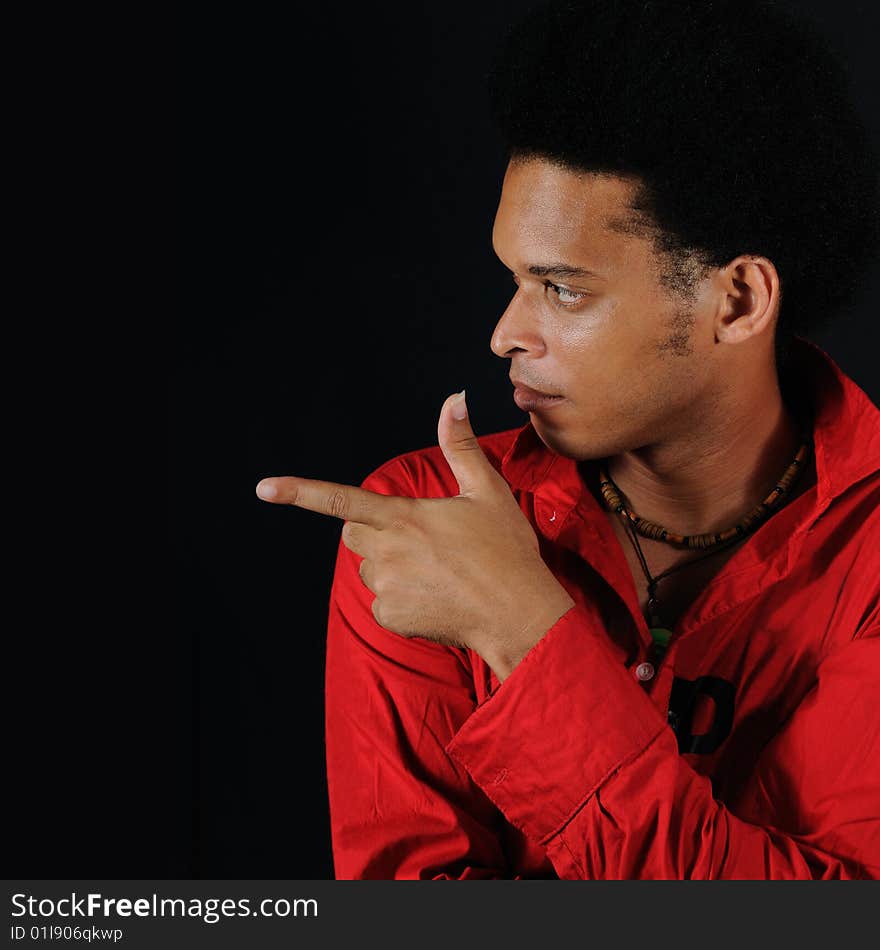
[{"x": 660, "y": 636}]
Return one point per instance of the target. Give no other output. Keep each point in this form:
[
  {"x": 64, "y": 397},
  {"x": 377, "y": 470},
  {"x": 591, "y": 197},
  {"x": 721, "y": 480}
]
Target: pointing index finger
[{"x": 328, "y": 498}]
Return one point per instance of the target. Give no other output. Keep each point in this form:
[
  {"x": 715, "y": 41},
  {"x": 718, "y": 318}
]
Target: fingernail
[
  {"x": 266, "y": 490},
  {"x": 459, "y": 406}
]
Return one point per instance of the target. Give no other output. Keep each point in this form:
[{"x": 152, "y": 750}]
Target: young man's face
[{"x": 633, "y": 362}]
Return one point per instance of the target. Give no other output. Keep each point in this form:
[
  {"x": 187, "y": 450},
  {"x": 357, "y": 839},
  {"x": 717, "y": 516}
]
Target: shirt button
[{"x": 644, "y": 671}]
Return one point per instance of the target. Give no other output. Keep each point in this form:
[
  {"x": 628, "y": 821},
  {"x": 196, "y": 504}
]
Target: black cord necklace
[{"x": 714, "y": 542}]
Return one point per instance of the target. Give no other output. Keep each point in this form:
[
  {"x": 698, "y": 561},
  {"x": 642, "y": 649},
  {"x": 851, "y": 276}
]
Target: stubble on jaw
[
  {"x": 678, "y": 269},
  {"x": 677, "y": 342},
  {"x": 680, "y": 276}
]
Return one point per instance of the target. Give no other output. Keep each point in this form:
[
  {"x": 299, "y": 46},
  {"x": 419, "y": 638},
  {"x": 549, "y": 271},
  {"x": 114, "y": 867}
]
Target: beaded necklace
[{"x": 714, "y": 542}]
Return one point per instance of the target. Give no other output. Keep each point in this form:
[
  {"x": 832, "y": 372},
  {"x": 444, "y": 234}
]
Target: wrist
[{"x": 518, "y": 638}]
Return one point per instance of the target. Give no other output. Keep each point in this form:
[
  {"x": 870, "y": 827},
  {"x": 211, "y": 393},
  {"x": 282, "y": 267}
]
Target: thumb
[{"x": 472, "y": 470}]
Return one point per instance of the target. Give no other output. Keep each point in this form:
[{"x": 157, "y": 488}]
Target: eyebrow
[
  {"x": 559, "y": 270},
  {"x": 556, "y": 269}
]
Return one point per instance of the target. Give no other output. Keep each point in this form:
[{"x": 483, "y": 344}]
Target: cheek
[
  {"x": 604, "y": 359},
  {"x": 629, "y": 358},
  {"x": 617, "y": 397}
]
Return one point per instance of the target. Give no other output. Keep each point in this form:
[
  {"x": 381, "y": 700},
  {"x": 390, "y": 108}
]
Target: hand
[{"x": 463, "y": 571}]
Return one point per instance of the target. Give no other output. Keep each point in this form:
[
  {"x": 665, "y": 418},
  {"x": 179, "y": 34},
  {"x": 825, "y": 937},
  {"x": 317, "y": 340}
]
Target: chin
[
  {"x": 581, "y": 444},
  {"x": 568, "y": 442}
]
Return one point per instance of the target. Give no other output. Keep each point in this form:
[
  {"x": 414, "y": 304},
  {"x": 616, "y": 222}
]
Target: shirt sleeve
[
  {"x": 400, "y": 807},
  {"x": 590, "y": 769}
]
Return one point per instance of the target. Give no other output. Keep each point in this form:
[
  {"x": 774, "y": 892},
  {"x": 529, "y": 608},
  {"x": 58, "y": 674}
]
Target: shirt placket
[{"x": 570, "y": 525}]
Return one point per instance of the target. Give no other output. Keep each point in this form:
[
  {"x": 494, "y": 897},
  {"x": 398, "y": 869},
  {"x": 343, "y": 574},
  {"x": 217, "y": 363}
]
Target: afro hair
[{"x": 736, "y": 119}]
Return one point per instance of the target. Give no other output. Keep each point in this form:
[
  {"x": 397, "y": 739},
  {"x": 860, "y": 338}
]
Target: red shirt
[{"x": 753, "y": 751}]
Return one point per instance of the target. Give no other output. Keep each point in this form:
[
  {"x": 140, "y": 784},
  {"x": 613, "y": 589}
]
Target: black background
[{"x": 336, "y": 179}]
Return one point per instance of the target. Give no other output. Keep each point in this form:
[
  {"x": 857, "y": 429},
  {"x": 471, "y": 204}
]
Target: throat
[
  {"x": 692, "y": 570},
  {"x": 674, "y": 594}
]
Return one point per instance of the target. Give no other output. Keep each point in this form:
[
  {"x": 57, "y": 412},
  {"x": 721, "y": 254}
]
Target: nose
[{"x": 516, "y": 329}]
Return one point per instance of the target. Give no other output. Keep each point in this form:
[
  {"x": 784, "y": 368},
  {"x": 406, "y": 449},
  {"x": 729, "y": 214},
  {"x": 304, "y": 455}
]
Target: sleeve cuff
[{"x": 566, "y": 718}]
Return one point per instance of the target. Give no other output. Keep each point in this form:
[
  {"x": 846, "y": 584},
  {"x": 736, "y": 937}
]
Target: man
[{"x": 638, "y": 637}]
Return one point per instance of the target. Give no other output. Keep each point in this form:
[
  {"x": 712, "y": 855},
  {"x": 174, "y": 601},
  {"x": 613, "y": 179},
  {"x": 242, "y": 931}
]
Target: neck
[{"x": 721, "y": 464}]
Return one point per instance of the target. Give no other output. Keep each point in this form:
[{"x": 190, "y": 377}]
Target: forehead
[{"x": 548, "y": 211}]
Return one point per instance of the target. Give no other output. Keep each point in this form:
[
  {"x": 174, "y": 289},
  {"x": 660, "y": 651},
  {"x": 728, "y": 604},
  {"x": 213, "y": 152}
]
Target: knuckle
[
  {"x": 337, "y": 503},
  {"x": 399, "y": 519},
  {"x": 349, "y": 533}
]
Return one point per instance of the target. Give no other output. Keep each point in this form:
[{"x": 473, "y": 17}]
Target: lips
[{"x": 531, "y": 400}]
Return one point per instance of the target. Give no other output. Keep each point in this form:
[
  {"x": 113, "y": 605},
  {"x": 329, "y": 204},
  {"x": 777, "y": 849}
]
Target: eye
[{"x": 566, "y": 297}]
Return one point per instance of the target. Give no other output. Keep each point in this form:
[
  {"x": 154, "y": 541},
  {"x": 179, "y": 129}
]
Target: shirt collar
[{"x": 845, "y": 425}]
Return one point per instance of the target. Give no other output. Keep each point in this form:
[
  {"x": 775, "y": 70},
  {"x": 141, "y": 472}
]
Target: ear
[{"x": 751, "y": 294}]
